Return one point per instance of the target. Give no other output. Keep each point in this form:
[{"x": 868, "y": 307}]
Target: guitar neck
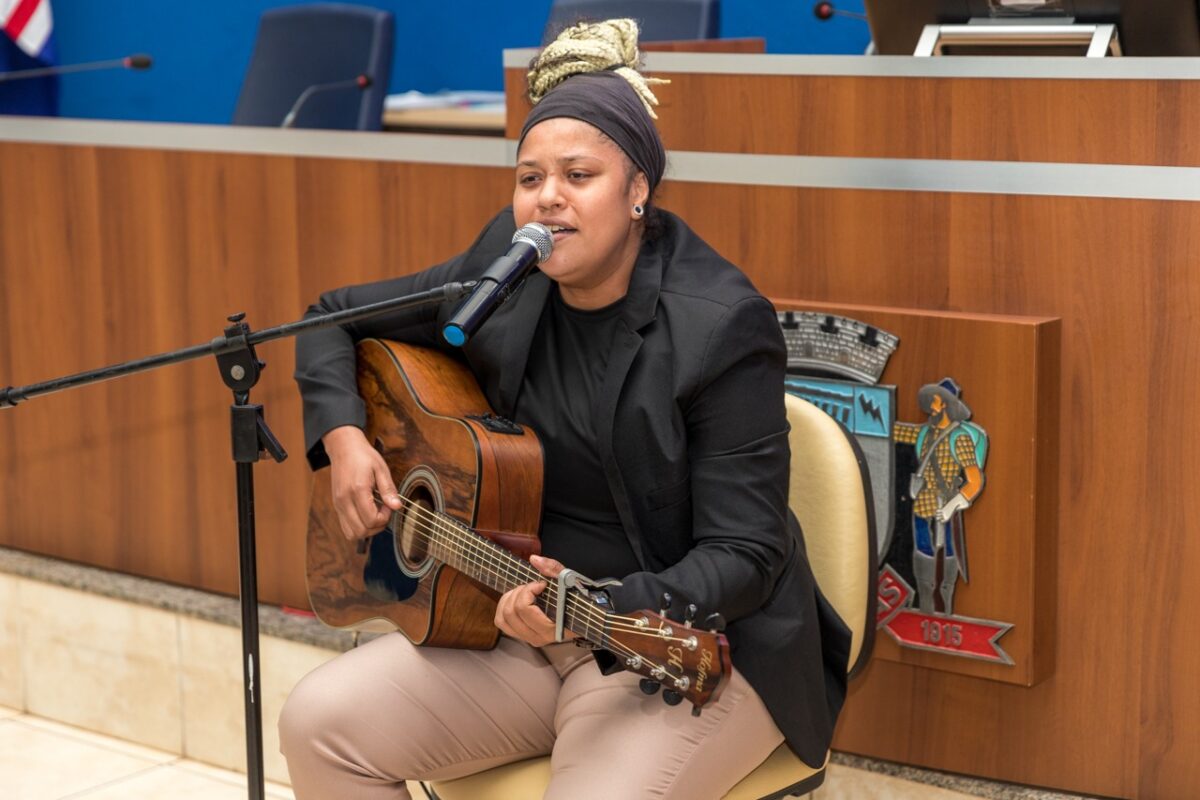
[{"x": 486, "y": 562}]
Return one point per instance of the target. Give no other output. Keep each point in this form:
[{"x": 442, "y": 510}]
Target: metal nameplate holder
[{"x": 1100, "y": 40}]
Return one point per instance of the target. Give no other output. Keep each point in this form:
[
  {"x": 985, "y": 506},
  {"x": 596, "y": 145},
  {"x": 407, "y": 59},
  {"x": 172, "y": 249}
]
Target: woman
[{"x": 652, "y": 372}]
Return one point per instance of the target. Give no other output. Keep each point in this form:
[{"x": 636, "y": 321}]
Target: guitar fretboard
[{"x": 486, "y": 562}]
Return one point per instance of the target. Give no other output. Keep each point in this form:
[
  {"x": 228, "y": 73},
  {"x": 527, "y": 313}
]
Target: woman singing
[{"x": 652, "y": 371}]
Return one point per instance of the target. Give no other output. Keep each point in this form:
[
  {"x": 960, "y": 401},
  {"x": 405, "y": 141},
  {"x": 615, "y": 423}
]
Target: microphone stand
[
  {"x": 240, "y": 368},
  {"x": 129, "y": 62},
  {"x": 362, "y": 82}
]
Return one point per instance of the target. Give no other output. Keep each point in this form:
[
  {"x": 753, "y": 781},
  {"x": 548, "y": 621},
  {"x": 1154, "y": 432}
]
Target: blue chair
[
  {"x": 302, "y": 46},
  {"x": 660, "y": 20}
]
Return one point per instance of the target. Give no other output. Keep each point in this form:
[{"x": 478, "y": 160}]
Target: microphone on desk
[
  {"x": 359, "y": 82},
  {"x": 826, "y": 11},
  {"x": 136, "y": 61},
  {"x": 531, "y": 245}
]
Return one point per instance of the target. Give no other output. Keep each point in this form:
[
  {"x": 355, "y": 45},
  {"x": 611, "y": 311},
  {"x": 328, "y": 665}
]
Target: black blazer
[{"x": 692, "y": 435}]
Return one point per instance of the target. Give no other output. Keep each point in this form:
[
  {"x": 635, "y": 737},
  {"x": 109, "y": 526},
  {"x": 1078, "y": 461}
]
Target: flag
[
  {"x": 27, "y": 42},
  {"x": 29, "y": 24}
]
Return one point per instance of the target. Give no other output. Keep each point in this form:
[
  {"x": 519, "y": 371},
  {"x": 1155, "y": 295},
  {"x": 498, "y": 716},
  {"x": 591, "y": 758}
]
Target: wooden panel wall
[
  {"x": 1079, "y": 121},
  {"x": 112, "y": 254},
  {"x": 1120, "y": 716},
  {"x": 108, "y": 254}
]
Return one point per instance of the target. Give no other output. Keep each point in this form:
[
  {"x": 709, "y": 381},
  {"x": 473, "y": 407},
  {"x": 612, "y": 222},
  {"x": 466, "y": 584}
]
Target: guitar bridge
[{"x": 497, "y": 424}]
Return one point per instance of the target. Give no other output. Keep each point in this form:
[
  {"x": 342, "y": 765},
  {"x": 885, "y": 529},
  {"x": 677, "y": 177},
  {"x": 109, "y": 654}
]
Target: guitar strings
[
  {"x": 507, "y": 564},
  {"x": 526, "y": 573},
  {"x": 503, "y": 560},
  {"x": 615, "y": 621},
  {"x": 426, "y": 520},
  {"x": 497, "y": 562}
]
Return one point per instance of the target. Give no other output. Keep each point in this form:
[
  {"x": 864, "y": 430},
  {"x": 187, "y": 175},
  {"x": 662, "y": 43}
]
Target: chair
[
  {"x": 659, "y": 20},
  {"x": 301, "y": 46},
  {"x": 831, "y": 496}
]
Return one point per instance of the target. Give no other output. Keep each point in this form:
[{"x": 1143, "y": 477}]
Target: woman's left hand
[{"x": 517, "y": 613}]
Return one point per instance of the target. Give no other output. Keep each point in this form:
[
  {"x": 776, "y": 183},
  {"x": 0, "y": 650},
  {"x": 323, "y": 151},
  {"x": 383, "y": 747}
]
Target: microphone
[
  {"x": 359, "y": 82},
  {"x": 826, "y": 11},
  {"x": 531, "y": 245},
  {"x": 136, "y": 61}
]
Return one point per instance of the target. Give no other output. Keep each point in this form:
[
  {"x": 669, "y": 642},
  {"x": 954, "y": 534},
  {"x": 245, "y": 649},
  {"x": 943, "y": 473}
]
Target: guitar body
[{"x": 422, "y": 415}]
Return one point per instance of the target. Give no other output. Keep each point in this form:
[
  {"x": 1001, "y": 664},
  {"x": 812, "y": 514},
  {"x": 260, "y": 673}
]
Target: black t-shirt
[{"x": 567, "y": 361}]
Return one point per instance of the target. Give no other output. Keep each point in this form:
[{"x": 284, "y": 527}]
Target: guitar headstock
[{"x": 689, "y": 663}]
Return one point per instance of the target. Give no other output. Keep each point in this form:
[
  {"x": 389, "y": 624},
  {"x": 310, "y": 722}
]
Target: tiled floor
[{"x": 43, "y": 760}]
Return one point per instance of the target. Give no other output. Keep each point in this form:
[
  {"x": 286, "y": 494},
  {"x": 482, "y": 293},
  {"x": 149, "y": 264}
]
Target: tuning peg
[
  {"x": 689, "y": 616},
  {"x": 715, "y": 623},
  {"x": 672, "y": 697},
  {"x": 649, "y": 686},
  {"x": 664, "y": 604}
]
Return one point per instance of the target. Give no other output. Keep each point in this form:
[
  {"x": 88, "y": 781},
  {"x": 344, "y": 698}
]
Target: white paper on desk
[{"x": 413, "y": 100}]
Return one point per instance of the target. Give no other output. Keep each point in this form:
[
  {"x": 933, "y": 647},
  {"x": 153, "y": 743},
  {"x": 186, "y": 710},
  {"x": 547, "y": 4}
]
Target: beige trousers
[{"x": 363, "y": 723}]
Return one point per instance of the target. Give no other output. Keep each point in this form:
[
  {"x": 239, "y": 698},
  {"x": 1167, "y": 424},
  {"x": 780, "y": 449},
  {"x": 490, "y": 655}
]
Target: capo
[{"x": 570, "y": 579}]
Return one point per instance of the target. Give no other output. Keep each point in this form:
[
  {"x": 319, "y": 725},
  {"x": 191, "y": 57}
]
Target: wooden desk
[
  {"x": 449, "y": 121},
  {"x": 472, "y": 122}
]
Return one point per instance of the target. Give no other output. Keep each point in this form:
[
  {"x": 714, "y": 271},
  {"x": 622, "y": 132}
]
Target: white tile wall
[
  {"x": 284, "y": 663},
  {"x": 101, "y": 664},
  {"x": 154, "y": 677},
  {"x": 174, "y": 683},
  {"x": 213, "y": 714},
  {"x": 12, "y": 680}
]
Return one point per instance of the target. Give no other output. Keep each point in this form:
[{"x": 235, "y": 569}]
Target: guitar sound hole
[{"x": 414, "y": 527}]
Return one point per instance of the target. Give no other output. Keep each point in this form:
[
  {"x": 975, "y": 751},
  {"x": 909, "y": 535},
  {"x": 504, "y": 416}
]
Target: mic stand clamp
[{"x": 240, "y": 369}]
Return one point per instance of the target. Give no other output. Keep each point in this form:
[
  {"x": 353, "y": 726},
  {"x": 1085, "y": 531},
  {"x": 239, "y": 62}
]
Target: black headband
[{"x": 606, "y": 101}]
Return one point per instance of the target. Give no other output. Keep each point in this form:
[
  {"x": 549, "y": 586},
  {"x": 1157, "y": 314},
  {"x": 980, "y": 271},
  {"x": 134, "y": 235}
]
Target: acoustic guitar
[{"x": 471, "y": 486}]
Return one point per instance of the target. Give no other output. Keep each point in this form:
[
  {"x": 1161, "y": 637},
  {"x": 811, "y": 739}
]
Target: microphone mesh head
[{"x": 538, "y": 235}]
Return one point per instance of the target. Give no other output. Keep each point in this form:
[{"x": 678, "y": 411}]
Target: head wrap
[{"x": 606, "y": 101}]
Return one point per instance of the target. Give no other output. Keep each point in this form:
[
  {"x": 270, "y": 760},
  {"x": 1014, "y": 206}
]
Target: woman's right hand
[{"x": 358, "y": 472}]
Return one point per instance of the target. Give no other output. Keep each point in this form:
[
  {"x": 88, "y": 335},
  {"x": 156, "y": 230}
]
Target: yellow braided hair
[{"x": 592, "y": 47}]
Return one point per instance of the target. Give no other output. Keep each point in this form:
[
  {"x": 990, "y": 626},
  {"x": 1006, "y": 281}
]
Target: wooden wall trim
[
  {"x": 938, "y": 175},
  {"x": 953, "y": 118},
  {"x": 929, "y": 175},
  {"x": 399, "y": 147},
  {"x": 990, "y": 67}
]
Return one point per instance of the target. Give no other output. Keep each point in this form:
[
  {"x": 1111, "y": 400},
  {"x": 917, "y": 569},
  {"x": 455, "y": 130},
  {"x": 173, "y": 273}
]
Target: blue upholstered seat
[{"x": 300, "y": 46}]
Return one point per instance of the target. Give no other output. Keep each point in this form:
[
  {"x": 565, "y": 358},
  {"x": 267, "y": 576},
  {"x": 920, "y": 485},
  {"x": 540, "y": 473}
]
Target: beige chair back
[{"x": 830, "y": 493}]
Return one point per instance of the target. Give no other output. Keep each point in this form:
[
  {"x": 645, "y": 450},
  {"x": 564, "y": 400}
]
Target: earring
[{"x": 638, "y": 210}]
